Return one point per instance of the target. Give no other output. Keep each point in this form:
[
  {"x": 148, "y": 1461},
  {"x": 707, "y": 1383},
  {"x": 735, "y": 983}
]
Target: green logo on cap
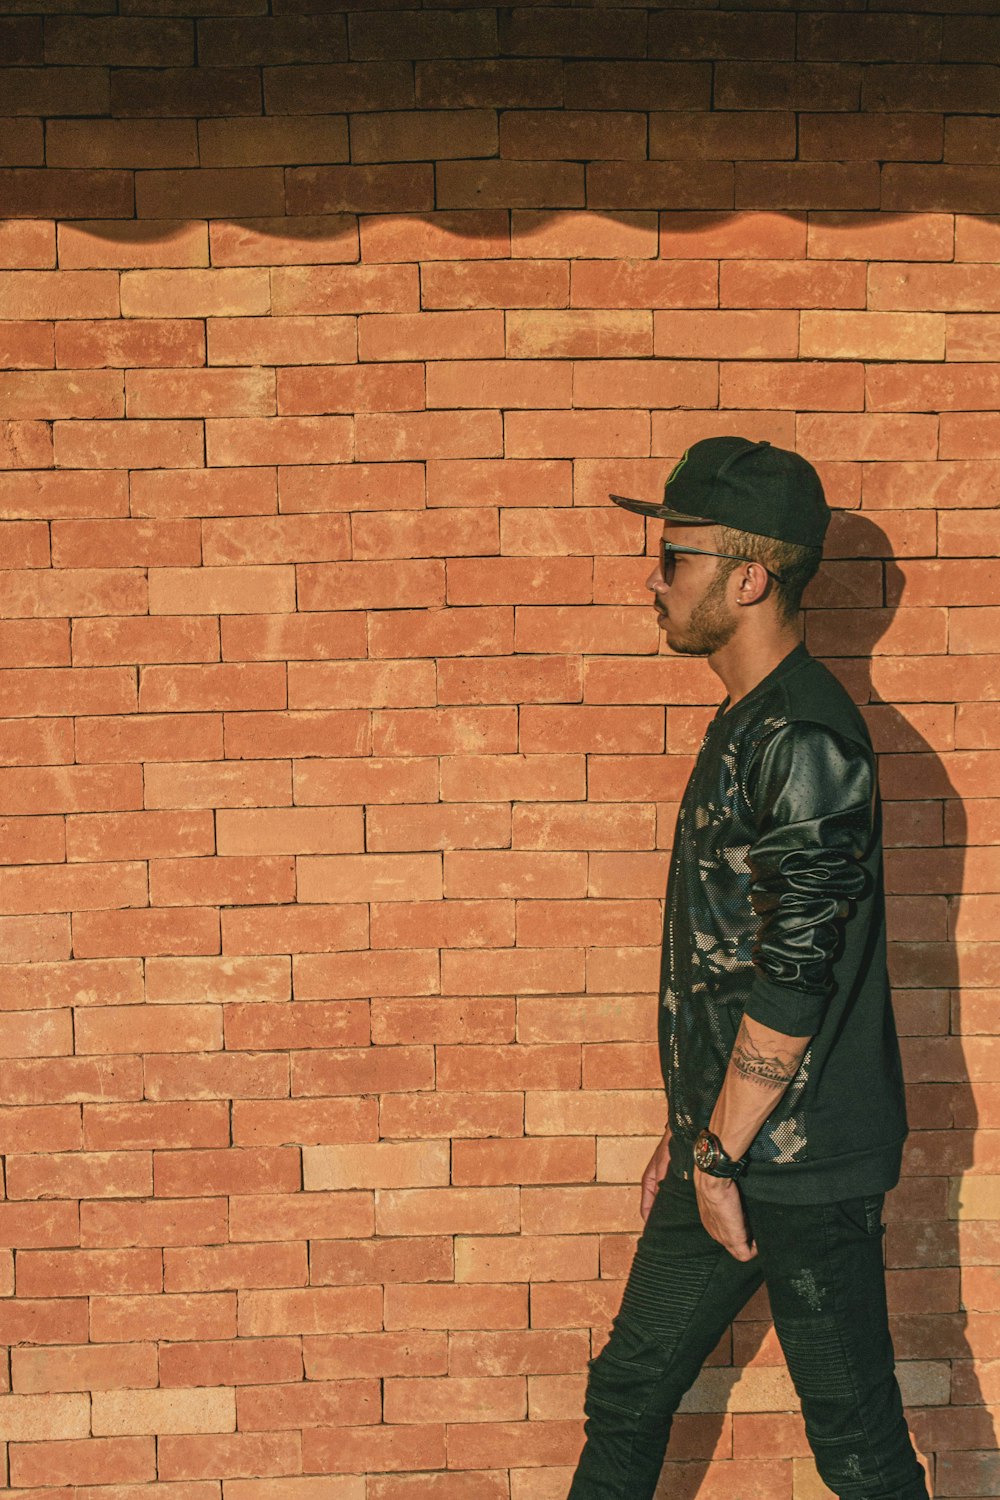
[{"x": 678, "y": 466}]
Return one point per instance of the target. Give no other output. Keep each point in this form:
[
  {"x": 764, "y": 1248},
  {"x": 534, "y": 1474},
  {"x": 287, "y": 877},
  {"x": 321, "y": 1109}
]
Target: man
[{"x": 777, "y": 1041}]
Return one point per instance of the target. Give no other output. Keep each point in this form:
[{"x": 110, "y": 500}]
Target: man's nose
[{"x": 656, "y": 581}]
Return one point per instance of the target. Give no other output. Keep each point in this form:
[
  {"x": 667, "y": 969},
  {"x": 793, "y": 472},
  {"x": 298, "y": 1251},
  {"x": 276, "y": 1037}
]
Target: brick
[
  {"x": 946, "y": 387},
  {"x": 685, "y": 135},
  {"x": 533, "y": 434},
  {"x": 110, "y": 242},
  {"x": 742, "y": 236},
  {"x": 26, "y": 243},
  {"x": 868, "y": 436},
  {"x": 969, "y": 435},
  {"x": 880, "y": 237},
  {"x": 352, "y": 190},
  {"x": 351, "y": 487},
  {"x": 452, "y": 234},
  {"x": 895, "y": 86},
  {"x": 971, "y": 189},
  {"x": 958, "y": 288},
  {"x": 430, "y": 335},
  {"x": 274, "y": 40},
  {"x": 323, "y": 290},
  {"x": 443, "y": 533},
  {"x": 357, "y": 86},
  {"x": 969, "y": 139},
  {"x": 512, "y": 778},
  {"x": 636, "y": 85},
  {"x": 48, "y": 192},
  {"x": 428, "y": 135},
  {"x": 578, "y": 334},
  {"x": 872, "y": 335},
  {"x": 127, "y": 444},
  {"x": 650, "y": 383},
  {"x": 277, "y": 440},
  {"x": 789, "y": 85},
  {"x": 499, "y": 83},
  {"x": 975, "y": 238},
  {"x": 214, "y": 393},
  {"x": 26, "y": 445},
  {"x": 585, "y": 629},
  {"x": 193, "y": 293},
  {"x": 544, "y": 32},
  {"x": 119, "y": 40},
  {"x": 259, "y": 142},
  {"x": 360, "y": 585},
  {"x": 486, "y": 874},
  {"x": 509, "y": 580},
  {"x": 446, "y": 731},
  {"x": 546, "y": 679},
  {"x": 58, "y": 294},
  {"x": 971, "y": 336},
  {"x": 84, "y": 1461},
  {"x": 473, "y": 284},
  {"x": 871, "y": 137},
  {"x": 736, "y": 335},
  {"x": 121, "y": 143},
  {"x": 701, "y": 34},
  {"x": 907, "y": 38},
  {"x": 375, "y": 388},
  {"x": 455, "y": 827},
  {"x": 25, "y": 346},
  {"x": 470, "y": 434},
  {"x": 84, "y": 1367},
  {"x": 282, "y": 341},
  {"x": 639, "y": 284},
  {"x": 757, "y": 284},
  {"x": 538, "y": 234},
  {"x": 143, "y": 342},
  {"x": 499, "y": 383},
  {"x": 798, "y": 386},
  {"x": 805, "y": 185},
  {"x": 53, "y": 393},
  {"x": 514, "y": 185},
  {"x": 23, "y": 39},
  {"x": 646, "y": 185},
  {"x": 66, "y": 90},
  {"x": 508, "y": 482},
  {"x": 163, "y": 91},
  {"x": 203, "y": 492},
  {"x": 210, "y": 192},
  {"x": 575, "y": 134},
  {"x": 437, "y": 34}
]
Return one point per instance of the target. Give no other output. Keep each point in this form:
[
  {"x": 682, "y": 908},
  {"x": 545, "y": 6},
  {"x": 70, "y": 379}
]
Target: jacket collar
[{"x": 788, "y": 663}]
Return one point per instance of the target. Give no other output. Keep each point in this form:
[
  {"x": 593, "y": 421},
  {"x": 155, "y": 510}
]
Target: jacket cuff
[{"x": 783, "y": 1008}]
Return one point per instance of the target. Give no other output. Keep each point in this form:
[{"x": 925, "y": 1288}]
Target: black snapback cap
[{"x": 734, "y": 481}]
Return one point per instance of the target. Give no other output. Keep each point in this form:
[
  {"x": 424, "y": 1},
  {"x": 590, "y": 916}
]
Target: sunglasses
[{"x": 668, "y": 551}]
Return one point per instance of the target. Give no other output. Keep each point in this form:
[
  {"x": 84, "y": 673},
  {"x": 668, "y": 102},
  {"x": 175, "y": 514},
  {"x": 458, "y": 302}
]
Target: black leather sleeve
[{"x": 812, "y": 792}]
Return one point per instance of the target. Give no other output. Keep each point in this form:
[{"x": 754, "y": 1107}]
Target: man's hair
[{"x": 796, "y": 564}]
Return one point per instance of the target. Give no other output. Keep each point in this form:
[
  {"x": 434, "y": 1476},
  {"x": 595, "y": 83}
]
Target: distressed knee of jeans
[
  {"x": 846, "y": 1466},
  {"x": 816, "y": 1360}
]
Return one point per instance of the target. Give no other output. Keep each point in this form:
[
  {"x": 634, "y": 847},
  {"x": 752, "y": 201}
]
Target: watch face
[{"x": 704, "y": 1152}]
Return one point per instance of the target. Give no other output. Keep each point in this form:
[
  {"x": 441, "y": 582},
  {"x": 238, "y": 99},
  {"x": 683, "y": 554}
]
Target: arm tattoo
[{"x": 775, "y": 1071}]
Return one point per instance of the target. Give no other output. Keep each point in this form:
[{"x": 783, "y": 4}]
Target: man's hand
[
  {"x": 654, "y": 1174},
  {"x": 722, "y": 1213}
]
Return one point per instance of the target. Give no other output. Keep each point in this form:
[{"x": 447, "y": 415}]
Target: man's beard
[{"x": 711, "y": 624}]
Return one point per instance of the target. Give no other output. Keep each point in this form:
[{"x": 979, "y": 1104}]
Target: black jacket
[{"x": 776, "y": 909}]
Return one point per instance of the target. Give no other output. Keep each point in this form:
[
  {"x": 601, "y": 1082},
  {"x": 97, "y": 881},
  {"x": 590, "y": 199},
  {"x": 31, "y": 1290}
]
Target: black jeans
[{"x": 822, "y": 1264}]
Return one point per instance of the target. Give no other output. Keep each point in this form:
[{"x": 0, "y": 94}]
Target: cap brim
[{"x": 650, "y": 508}]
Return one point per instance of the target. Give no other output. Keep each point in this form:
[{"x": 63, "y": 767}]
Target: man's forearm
[{"x": 762, "y": 1065}]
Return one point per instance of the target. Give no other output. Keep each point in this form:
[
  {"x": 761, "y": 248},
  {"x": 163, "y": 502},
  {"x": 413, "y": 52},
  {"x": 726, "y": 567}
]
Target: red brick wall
[{"x": 340, "y": 761}]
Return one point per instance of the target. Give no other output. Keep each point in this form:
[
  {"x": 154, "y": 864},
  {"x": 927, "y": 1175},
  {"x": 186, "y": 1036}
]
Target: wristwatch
[{"x": 710, "y": 1157}]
